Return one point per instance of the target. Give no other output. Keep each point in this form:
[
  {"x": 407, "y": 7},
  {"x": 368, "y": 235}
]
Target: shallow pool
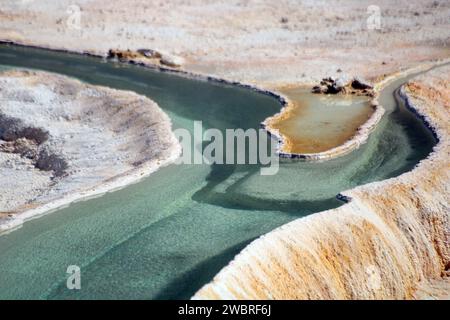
[{"x": 171, "y": 233}]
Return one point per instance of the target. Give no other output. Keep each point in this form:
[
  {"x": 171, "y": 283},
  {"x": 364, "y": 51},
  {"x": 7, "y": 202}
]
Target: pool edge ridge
[
  {"x": 390, "y": 236},
  {"x": 133, "y": 174},
  {"x": 362, "y": 133},
  {"x": 343, "y": 192},
  {"x": 174, "y": 70}
]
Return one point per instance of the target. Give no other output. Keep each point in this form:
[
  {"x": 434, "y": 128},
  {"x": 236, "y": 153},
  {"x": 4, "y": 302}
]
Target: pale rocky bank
[
  {"x": 392, "y": 240},
  {"x": 61, "y": 140},
  {"x": 267, "y": 43},
  {"x": 271, "y": 45},
  {"x": 396, "y": 230}
]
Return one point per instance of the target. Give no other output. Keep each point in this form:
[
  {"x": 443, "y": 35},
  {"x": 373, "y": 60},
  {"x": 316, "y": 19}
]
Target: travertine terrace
[
  {"x": 394, "y": 235},
  {"x": 268, "y": 43},
  {"x": 392, "y": 240},
  {"x": 61, "y": 140}
]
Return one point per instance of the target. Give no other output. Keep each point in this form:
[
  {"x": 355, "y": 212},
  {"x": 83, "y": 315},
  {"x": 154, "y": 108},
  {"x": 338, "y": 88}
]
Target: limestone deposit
[
  {"x": 61, "y": 140},
  {"x": 262, "y": 43},
  {"x": 391, "y": 240},
  {"x": 147, "y": 57},
  {"x": 265, "y": 42},
  {"x": 356, "y": 86}
]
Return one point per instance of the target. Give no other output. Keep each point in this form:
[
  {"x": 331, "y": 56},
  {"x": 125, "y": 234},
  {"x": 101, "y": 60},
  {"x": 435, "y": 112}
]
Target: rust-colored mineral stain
[{"x": 316, "y": 123}]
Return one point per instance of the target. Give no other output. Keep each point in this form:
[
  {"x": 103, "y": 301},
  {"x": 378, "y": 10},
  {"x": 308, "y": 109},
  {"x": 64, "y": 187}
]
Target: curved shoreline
[
  {"x": 117, "y": 175},
  {"x": 361, "y": 136},
  {"x": 362, "y": 133},
  {"x": 180, "y": 72},
  {"x": 114, "y": 184},
  {"x": 389, "y": 238},
  {"x": 342, "y": 195}
]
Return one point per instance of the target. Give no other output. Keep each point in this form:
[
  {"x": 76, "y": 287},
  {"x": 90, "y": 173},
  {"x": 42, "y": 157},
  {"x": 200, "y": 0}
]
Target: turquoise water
[{"x": 166, "y": 236}]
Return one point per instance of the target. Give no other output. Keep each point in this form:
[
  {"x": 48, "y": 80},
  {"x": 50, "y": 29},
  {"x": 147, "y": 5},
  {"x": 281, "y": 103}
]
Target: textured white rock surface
[
  {"x": 107, "y": 137},
  {"x": 265, "y": 42},
  {"x": 15, "y": 171},
  {"x": 269, "y": 44},
  {"x": 392, "y": 240}
]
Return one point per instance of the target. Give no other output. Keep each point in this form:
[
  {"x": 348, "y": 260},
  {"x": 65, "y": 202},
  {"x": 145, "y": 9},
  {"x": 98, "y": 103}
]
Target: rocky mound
[
  {"x": 60, "y": 137},
  {"x": 146, "y": 56},
  {"x": 356, "y": 86}
]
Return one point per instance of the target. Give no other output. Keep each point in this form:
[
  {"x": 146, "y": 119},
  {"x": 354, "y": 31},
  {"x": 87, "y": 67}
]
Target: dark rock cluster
[
  {"x": 360, "y": 84},
  {"x": 332, "y": 85},
  {"x": 12, "y": 129},
  {"x": 28, "y": 142},
  {"x": 49, "y": 161}
]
